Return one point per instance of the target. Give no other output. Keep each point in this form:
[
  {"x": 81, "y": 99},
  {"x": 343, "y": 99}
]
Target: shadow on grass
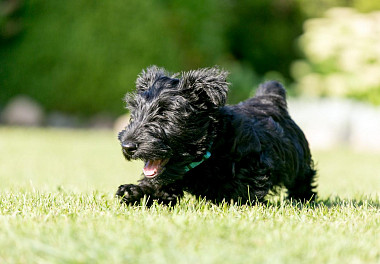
[
  {"x": 356, "y": 202},
  {"x": 330, "y": 202}
]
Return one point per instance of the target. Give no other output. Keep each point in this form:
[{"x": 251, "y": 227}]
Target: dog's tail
[{"x": 271, "y": 88}]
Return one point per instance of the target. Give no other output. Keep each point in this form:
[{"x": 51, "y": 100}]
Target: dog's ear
[
  {"x": 245, "y": 139},
  {"x": 208, "y": 81},
  {"x": 147, "y": 77}
]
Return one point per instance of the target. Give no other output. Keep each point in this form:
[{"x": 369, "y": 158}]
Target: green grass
[{"x": 57, "y": 206}]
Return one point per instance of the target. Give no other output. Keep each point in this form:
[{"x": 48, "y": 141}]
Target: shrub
[{"x": 342, "y": 56}]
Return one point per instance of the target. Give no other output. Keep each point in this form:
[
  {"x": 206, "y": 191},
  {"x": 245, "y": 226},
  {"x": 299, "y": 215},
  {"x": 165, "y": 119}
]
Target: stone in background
[{"x": 22, "y": 111}]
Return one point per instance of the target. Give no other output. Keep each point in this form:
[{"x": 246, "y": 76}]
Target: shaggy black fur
[{"x": 254, "y": 145}]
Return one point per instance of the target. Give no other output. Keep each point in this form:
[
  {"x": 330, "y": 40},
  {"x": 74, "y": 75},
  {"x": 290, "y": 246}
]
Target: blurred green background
[{"x": 80, "y": 57}]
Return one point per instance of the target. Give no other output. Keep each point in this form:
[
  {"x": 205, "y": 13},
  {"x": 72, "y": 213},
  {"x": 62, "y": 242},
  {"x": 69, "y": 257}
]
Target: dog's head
[{"x": 173, "y": 118}]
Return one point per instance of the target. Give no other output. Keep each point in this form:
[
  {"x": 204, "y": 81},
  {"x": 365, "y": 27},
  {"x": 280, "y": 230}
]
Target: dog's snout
[{"x": 129, "y": 147}]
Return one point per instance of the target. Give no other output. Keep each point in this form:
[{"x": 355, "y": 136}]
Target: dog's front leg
[{"x": 152, "y": 190}]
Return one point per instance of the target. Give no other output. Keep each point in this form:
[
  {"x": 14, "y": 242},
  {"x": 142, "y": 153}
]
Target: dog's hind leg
[{"x": 303, "y": 187}]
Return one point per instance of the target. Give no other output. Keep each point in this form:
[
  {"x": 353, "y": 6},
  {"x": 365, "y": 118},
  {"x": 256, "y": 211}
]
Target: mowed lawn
[{"x": 57, "y": 206}]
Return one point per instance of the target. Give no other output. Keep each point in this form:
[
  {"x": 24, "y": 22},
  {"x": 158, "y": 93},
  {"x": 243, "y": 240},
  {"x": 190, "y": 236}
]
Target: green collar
[{"x": 196, "y": 163}]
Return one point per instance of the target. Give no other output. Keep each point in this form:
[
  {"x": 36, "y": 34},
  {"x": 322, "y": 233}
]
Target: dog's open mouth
[{"x": 154, "y": 168}]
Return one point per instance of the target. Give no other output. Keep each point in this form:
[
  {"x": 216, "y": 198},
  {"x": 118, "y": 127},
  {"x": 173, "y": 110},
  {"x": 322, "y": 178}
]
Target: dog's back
[{"x": 269, "y": 101}]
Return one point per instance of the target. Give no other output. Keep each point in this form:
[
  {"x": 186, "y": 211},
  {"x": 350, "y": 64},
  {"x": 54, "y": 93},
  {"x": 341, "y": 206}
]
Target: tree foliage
[{"x": 82, "y": 56}]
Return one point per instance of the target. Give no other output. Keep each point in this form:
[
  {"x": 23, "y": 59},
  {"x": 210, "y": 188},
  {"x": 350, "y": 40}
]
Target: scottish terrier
[{"x": 191, "y": 141}]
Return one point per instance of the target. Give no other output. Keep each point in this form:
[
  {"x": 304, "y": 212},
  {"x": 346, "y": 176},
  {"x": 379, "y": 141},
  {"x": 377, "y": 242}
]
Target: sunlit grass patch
[{"x": 57, "y": 205}]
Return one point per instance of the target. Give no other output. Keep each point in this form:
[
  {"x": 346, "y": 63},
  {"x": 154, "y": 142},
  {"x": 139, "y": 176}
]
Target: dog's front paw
[{"x": 130, "y": 194}]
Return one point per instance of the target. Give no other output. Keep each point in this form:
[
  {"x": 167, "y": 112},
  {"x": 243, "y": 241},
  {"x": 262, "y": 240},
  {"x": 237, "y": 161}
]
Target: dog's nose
[{"x": 129, "y": 147}]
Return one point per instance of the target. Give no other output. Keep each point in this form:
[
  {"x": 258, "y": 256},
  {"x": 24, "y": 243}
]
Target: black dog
[{"x": 190, "y": 141}]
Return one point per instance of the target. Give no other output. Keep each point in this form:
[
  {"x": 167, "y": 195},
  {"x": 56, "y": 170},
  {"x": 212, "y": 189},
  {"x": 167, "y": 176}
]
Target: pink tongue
[{"x": 152, "y": 167}]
